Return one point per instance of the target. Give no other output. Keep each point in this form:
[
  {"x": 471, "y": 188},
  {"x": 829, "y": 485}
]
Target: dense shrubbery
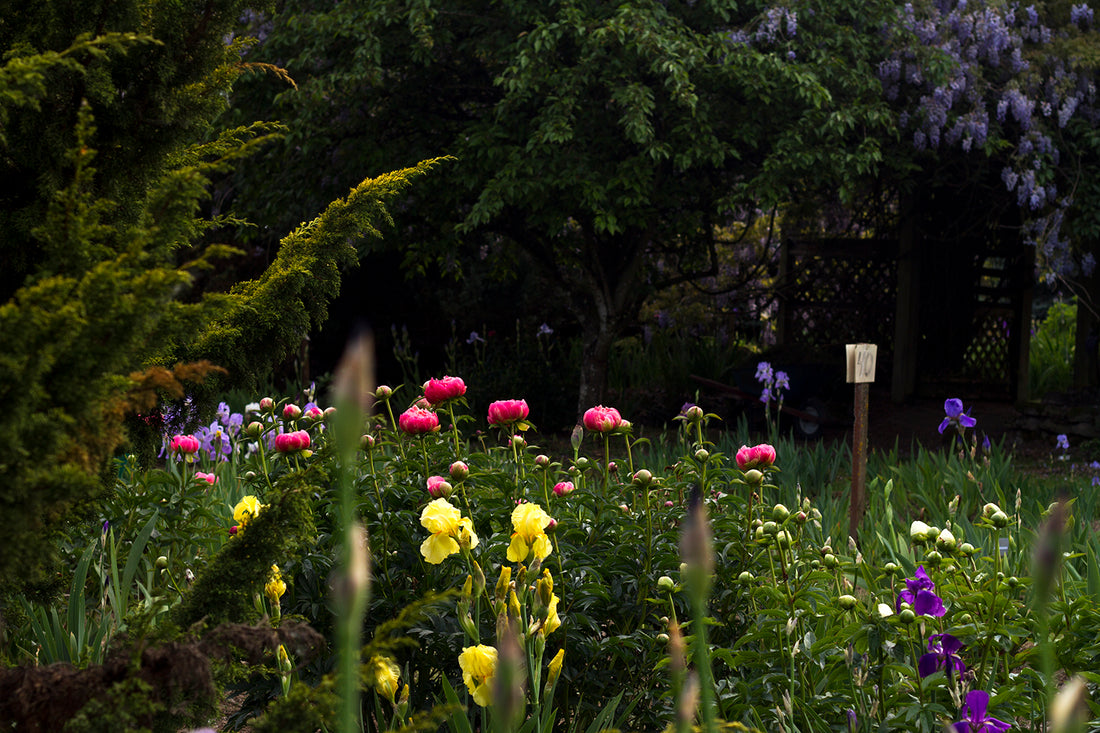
[{"x": 591, "y": 579}]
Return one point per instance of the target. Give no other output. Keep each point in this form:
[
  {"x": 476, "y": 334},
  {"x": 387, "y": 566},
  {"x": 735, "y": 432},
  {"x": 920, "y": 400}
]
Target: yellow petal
[
  {"x": 438, "y": 548},
  {"x": 518, "y": 549},
  {"x": 542, "y": 547}
]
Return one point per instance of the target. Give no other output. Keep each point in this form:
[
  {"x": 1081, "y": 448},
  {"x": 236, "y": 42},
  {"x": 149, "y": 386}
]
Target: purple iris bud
[
  {"x": 943, "y": 654},
  {"x": 977, "y": 720},
  {"x": 954, "y": 415},
  {"x": 766, "y": 395}
]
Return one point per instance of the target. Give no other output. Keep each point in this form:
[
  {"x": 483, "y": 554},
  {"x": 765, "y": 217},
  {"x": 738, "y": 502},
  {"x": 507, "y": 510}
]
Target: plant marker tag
[
  {"x": 861, "y": 362},
  {"x": 1002, "y": 546}
]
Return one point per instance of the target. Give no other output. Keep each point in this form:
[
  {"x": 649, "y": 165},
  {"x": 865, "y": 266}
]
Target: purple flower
[
  {"x": 215, "y": 441},
  {"x": 781, "y": 381},
  {"x": 953, "y": 409},
  {"x": 766, "y": 395},
  {"x": 942, "y": 654},
  {"x": 1063, "y": 441},
  {"x": 223, "y": 413},
  {"x": 919, "y": 593},
  {"x": 977, "y": 720},
  {"x": 764, "y": 372}
]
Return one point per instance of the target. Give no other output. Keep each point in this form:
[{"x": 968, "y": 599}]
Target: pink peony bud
[
  {"x": 330, "y": 411},
  {"x": 564, "y": 488},
  {"x": 207, "y": 477},
  {"x": 542, "y": 461},
  {"x": 267, "y": 404},
  {"x": 417, "y": 421},
  {"x": 508, "y": 412},
  {"x": 669, "y": 504},
  {"x": 459, "y": 471},
  {"x": 612, "y": 467},
  {"x": 383, "y": 392},
  {"x": 758, "y": 456},
  {"x": 366, "y": 442},
  {"x": 314, "y": 413},
  {"x": 438, "y": 391},
  {"x": 233, "y": 530},
  {"x": 600, "y": 419},
  {"x": 438, "y": 487},
  {"x": 291, "y": 411}
]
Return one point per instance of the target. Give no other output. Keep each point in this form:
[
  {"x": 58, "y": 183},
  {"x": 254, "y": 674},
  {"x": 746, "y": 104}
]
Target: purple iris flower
[
  {"x": 942, "y": 654},
  {"x": 919, "y": 593},
  {"x": 764, "y": 372},
  {"x": 977, "y": 720},
  {"x": 215, "y": 441},
  {"x": 782, "y": 381},
  {"x": 953, "y": 409}
]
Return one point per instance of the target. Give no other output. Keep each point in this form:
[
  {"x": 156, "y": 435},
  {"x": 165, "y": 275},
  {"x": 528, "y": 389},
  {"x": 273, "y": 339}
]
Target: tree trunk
[{"x": 597, "y": 337}]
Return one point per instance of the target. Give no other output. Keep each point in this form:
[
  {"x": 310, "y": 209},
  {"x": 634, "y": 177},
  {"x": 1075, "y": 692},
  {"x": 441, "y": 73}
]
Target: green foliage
[
  {"x": 108, "y": 153},
  {"x": 1050, "y": 365},
  {"x": 224, "y": 590}
]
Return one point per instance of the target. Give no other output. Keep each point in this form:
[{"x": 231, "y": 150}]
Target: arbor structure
[
  {"x": 106, "y": 151},
  {"x": 604, "y": 145}
]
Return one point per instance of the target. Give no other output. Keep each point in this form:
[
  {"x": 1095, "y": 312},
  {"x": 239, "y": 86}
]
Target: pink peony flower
[
  {"x": 184, "y": 444},
  {"x": 438, "y": 487},
  {"x": 600, "y": 419},
  {"x": 438, "y": 391},
  {"x": 207, "y": 477},
  {"x": 314, "y": 413},
  {"x": 291, "y": 411},
  {"x": 291, "y": 442},
  {"x": 507, "y": 412},
  {"x": 417, "y": 421},
  {"x": 563, "y": 488},
  {"x": 758, "y": 456}
]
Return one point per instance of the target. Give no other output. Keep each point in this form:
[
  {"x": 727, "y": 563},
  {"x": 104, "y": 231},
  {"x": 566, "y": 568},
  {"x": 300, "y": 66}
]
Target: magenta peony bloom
[
  {"x": 207, "y": 477},
  {"x": 563, "y": 488},
  {"x": 438, "y": 487},
  {"x": 184, "y": 445},
  {"x": 508, "y": 412},
  {"x": 438, "y": 391},
  {"x": 291, "y": 442},
  {"x": 417, "y": 421},
  {"x": 600, "y": 419},
  {"x": 758, "y": 456}
]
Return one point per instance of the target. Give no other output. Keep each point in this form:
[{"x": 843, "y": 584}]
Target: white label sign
[{"x": 861, "y": 362}]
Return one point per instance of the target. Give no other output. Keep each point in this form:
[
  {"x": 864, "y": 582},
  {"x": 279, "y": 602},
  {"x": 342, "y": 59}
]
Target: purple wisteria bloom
[
  {"x": 954, "y": 415},
  {"x": 977, "y": 720},
  {"x": 942, "y": 654},
  {"x": 920, "y": 594}
]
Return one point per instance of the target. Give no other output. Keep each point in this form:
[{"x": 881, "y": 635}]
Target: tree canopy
[{"x": 603, "y": 145}]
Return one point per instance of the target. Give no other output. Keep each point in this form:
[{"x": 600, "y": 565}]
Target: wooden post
[{"x": 861, "y": 371}]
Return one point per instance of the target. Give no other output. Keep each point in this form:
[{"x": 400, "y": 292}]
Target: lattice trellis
[
  {"x": 838, "y": 293},
  {"x": 987, "y": 356}
]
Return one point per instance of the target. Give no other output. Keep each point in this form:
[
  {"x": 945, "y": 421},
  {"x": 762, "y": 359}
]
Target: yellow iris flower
[
  {"x": 529, "y": 523},
  {"x": 246, "y": 510},
  {"x": 275, "y": 587},
  {"x": 479, "y": 664},
  {"x": 450, "y": 531},
  {"x": 386, "y": 673}
]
